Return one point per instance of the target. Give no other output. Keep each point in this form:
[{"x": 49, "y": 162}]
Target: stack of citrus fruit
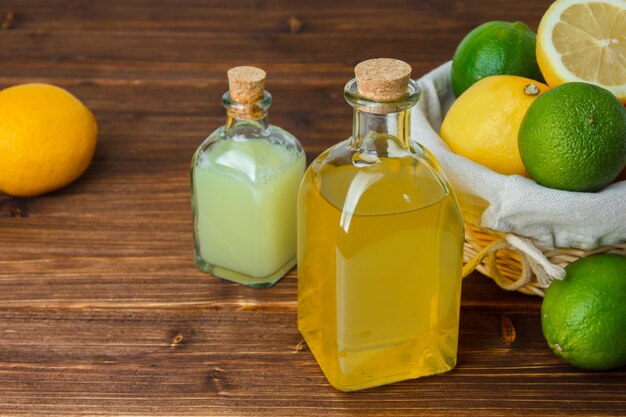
[
  {"x": 567, "y": 132},
  {"x": 571, "y": 138}
]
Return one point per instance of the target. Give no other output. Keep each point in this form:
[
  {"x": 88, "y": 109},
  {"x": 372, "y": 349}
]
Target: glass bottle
[
  {"x": 244, "y": 184},
  {"x": 380, "y": 244}
]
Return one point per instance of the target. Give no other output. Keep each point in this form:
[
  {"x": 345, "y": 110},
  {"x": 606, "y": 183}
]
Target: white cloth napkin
[{"x": 514, "y": 204}]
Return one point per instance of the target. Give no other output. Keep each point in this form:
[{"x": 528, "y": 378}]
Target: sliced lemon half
[{"x": 581, "y": 40}]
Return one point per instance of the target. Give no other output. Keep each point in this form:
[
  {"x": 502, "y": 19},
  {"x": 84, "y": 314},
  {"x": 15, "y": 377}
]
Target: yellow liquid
[
  {"x": 245, "y": 196},
  {"x": 379, "y": 265}
]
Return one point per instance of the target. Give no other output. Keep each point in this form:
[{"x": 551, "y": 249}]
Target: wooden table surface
[{"x": 102, "y": 311}]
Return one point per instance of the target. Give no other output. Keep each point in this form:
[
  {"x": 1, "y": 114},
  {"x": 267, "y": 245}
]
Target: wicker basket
[
  {"x": 489, "y": 253},
  {"x": 515, "y": 256}
]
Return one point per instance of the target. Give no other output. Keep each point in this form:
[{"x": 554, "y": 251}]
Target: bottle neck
[
  {"x": 247, "y": 119},
  {"x": 381, "y": 119},
  {"x": 368, "y": 125},
  {"x": 251, "y": 123}
]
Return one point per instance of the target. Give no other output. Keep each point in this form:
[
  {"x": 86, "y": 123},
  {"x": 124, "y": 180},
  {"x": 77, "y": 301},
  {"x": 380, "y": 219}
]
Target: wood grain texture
[
  {"x": 102, "y": 311},
  {"x": 248, "y": 363}
]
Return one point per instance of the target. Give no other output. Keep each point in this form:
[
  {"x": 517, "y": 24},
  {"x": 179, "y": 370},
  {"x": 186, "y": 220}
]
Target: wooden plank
[
  {"x": 265, "y": 16},
  {"x": 155, "y": 47},
  {"x": 144, "y": 261},
  {"x": 253, "y": 363},
  {"x": 102, "y": 311}
]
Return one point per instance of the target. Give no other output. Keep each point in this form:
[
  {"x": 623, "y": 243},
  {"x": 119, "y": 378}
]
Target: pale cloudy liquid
[{"x": 245, "y": 220}]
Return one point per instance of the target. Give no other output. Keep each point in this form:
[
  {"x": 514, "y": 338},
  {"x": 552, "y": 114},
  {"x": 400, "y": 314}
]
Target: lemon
[
  {"x": 582, "y": 40},
  {"x": 583, "y": 317},
  {"x": 574, "y": 138},
  {"x": 494, "y": 48},
  {"x": 482, "y": 124},
  {"x": 47, "y": 139}
]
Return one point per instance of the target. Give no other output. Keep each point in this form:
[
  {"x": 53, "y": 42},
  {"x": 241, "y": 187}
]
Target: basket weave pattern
[{"x": 506, "y": 267}]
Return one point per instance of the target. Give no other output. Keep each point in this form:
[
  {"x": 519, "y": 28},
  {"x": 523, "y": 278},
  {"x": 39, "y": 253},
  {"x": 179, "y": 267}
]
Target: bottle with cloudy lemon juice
[
  {"x": 380, "y": 244},
  {"x": 244, "y": 183}
]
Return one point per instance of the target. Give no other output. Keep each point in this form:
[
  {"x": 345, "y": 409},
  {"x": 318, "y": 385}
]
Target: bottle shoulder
[
  {"x": 379, "y": 178},
  {"x": 250, "y": 158},
  {"x": 271, "y": 134},
  {"x": 281, "y": 136}
]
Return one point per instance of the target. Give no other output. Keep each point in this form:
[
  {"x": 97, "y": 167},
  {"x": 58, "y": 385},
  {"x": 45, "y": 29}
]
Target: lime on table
[
  {"x": 573, "y": 138},
  {"x": 583, "y": 317},
  {"x": 494, "y": 48}
]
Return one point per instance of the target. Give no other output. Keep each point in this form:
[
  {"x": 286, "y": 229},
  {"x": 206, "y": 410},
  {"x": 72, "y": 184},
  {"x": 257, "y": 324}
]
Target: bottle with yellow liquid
[
  {"x": 380, "y": 244},
  {"x": 244, "y": 185}
]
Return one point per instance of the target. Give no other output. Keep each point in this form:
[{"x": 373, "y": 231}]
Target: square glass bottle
[
  {"x": 244, "y": 183},
  {"x": 380, "y": 244}
]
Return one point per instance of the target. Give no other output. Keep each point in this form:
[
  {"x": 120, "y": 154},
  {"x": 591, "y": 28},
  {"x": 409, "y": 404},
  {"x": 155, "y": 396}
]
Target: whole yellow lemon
[
  {"x": 47, "y": 139},
  {"x": 482, "y": 124}
]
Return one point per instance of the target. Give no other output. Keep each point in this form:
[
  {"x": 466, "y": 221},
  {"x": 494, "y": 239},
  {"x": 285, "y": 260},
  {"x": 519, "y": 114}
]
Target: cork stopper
[
  {"x": 246, "y": 84},
  {"x": 383, "y": 79}
]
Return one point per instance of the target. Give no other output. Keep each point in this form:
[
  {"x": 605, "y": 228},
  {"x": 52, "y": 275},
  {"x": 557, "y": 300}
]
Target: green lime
[
  {"x": 573, "y": 138},
  {"x": 583, "y": 317},
  {"x": 494, "y": 48}
]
